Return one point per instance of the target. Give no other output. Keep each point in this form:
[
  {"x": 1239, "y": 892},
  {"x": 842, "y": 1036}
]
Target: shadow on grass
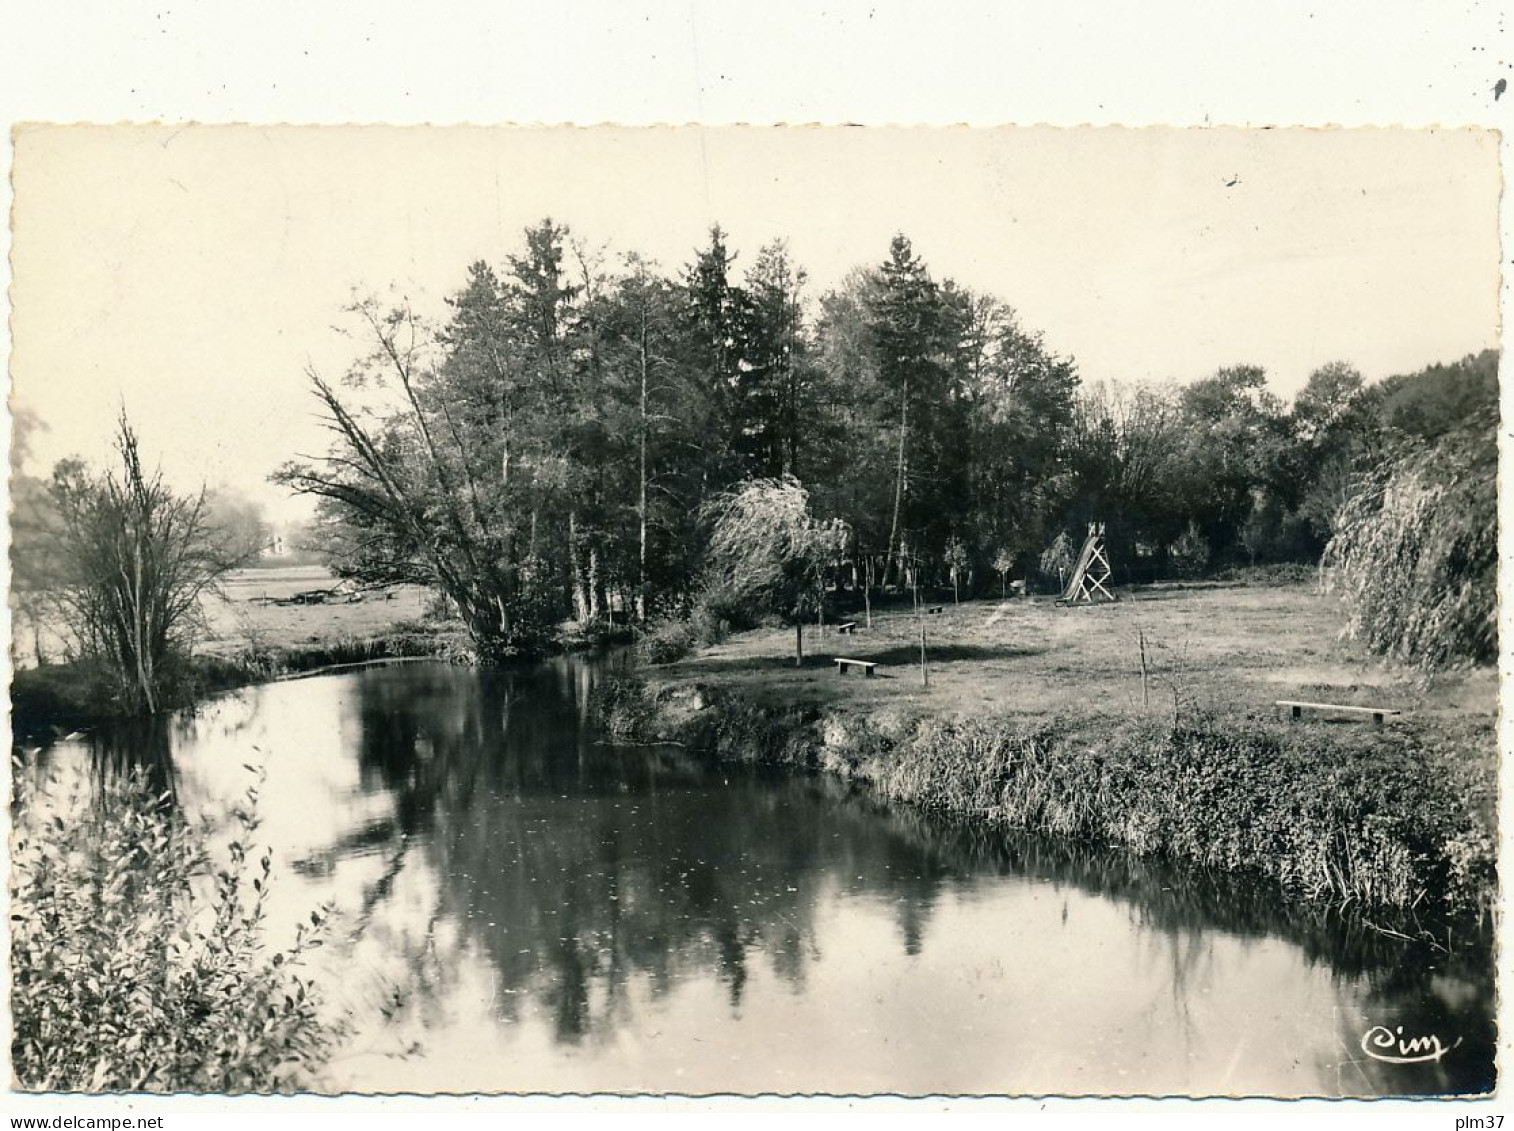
[
  {"x": 906, "y": 654},
  {"x": 898, "y": 656}
]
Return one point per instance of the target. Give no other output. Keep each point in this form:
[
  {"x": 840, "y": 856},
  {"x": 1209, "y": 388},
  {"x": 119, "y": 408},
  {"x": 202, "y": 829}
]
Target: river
[{"x": 525, "y": 907}]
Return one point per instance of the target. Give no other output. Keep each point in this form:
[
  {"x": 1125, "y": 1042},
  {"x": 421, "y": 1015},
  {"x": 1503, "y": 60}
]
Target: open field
[
  {"x": 1228, "y": 651},
  {"x": 245, "y": 613},
  {"x": 244, "y": 616}
]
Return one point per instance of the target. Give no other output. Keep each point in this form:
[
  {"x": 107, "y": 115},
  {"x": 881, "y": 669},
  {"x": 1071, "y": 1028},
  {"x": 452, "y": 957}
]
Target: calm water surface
[{"x": 524, "y": 907}]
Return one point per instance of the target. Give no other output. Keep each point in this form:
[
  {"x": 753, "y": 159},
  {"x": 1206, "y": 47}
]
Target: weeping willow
[{"x": 1415, "y": 554}]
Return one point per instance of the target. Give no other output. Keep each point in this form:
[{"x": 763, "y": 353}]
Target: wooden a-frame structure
[{"x": 1090, "y": 580}]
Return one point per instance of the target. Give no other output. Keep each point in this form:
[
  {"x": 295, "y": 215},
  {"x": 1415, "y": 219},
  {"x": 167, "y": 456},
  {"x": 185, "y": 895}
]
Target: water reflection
[{"x": 529, "y": 908}]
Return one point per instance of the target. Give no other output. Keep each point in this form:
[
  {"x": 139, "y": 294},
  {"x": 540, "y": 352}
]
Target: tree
[
  {"x": 1057, "y": 558},
  {"x": 714, "y": 320},
  {"x": 905, "y": 316},
  {"x": 1417, "y": 552},
  {"x": 1004, "y": 562},
  {"x": 768, "y": 548},
  {"x": 649, "y": 398},
  {"x": 1023, "y": 401},
  {"x": 1232, "y": 436},
  {"x": 134, "y": 558},
  {"x": 404, "y": 498},
  {"x": 238, "y": 525},
  {"x": 35, "y": 542},
  {"x": 1124, "y": 446},
  {"x": 956, "y": 565},
  {"x": 780, "y": 413}
]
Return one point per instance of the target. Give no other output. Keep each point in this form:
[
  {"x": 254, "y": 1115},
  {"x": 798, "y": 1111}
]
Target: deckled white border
[{"x": 1387, "y": 62}]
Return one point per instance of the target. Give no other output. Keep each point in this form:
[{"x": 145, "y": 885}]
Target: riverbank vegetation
[
  {"x": 1150, "y": 725},
  {"x": 138, "y": 956}
]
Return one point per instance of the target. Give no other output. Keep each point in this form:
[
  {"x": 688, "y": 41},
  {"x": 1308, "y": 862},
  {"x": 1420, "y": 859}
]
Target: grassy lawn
[
  {"x": 1224, "y": 650},
  {"x": 1038, "y": 718}
]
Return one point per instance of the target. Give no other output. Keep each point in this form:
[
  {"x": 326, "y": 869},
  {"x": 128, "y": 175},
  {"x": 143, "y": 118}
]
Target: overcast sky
[{"x": 191, "y": 273}]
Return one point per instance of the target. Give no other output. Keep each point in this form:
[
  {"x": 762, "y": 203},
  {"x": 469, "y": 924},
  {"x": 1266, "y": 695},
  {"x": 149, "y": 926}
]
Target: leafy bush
[
  {"x": 1190, "y": 553},
  {"x": 1275, "y": 573},
  {"x": 137, "y": 960},
  {"x": 720, "y": 610},
  {"x": 716, "y": 612},
  {"x": 666, "y": 641},
  {"x": 1416, "y": 552},
  {"x": 624, "y": 708}
]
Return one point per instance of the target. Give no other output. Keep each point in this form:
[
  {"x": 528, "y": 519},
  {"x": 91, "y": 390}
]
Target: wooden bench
[
  {"x": 843, "y": 663},
  {"x": 1297, "y": 709},
  {"x": 848, "y": 628},
  {"x": 934, "y": 609}
]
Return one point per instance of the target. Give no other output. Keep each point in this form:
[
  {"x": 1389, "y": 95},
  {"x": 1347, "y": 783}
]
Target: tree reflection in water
[{"x": 576, "y": 866}]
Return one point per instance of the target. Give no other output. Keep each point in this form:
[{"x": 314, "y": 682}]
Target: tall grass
[
  {"x": 1386, "y": 818},
  {"x": 138, "y": 961}
]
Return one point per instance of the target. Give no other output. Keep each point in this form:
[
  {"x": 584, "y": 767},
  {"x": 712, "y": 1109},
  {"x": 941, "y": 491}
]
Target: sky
[{"x": 192, "y": 274}]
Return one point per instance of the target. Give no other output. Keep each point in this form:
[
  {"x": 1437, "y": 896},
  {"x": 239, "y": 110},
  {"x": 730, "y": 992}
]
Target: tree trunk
[
  {"x": 641, "y": 500},
  {"x": 580, "y": 597},
  {"x": 867, "y": 588},
  {"x": 594, "y": 586},
  {"x": 893, "y": 533},
  {"x": 799, "y": 644},
  {"x": 924, "y": 670}
]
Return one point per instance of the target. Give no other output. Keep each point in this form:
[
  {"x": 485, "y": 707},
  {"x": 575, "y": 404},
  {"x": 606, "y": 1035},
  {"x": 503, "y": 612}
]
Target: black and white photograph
[{"x": 758, "y": 611}]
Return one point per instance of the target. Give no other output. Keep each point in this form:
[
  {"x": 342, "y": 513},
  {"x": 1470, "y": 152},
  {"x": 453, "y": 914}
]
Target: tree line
[
  {"x": 554, "y": 448},
  {"x": 586, "y": 442}
]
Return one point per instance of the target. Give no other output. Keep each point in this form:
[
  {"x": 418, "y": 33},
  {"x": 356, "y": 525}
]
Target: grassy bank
[
  {"x": 1041, "y": 719},
  {"x": 261, "y": 626},
  {"x": 77, "y": 694}
]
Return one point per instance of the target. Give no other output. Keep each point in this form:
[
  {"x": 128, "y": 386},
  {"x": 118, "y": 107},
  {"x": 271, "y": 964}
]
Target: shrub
[
  {"x": 1190, "y": 553},
  {"x": 137, "y": 960},
  {"x": 723, "y": 610},
  {"x": 1276, "y": 573},
  {"x": 624, "y": 708},
  {"x": 666, "y": 640}
]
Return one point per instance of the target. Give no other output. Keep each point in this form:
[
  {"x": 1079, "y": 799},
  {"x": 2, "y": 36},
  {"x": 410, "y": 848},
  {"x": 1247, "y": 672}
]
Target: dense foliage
[
  {"x": 547, "y": 453},
  {"x": 138, "y": 960}
]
